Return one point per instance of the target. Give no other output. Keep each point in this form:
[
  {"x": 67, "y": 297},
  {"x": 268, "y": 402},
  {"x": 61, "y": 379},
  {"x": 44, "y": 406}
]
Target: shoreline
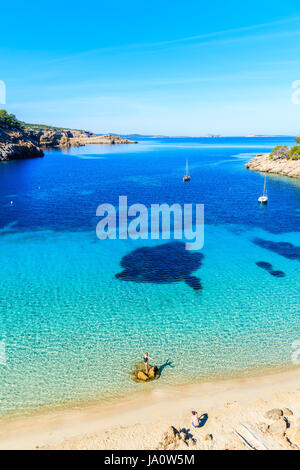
[
  {"x": 141, "y": 389},
  {"x": 138, "y": 421},
  {"x": 275, "y": 166},
  {"x": 19, "y": 141}
]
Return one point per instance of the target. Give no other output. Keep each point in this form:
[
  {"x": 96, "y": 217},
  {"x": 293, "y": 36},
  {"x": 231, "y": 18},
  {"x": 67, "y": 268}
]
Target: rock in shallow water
[
  {"x": 139, "y": 374},
  {"x": 142, "y": 376}
]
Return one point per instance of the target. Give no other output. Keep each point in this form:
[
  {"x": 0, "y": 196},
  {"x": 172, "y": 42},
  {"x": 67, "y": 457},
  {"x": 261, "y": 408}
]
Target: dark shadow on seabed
[
  {"x": 162, "y": 264},
  {"x": 168, "y": 363},
  {"x": 269, "y": 268},
  {"x": 288, "y": 250}
]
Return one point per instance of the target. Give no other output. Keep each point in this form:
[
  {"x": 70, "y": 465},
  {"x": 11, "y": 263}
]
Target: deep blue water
[
  {"x": 72, "y": 184},
  {"x": 68, "y": 319}
]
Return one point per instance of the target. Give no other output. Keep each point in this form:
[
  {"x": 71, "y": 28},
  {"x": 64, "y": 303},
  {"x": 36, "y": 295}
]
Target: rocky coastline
[
  {"x": 65, "y": 138},
  {"x": 275, "y": 164},
  {"x": 22, "y": 143},
  {"x": 16, "y": 144}
]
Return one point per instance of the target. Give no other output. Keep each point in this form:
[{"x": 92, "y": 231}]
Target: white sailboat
[
  {"x": 186, "y": 176},
  {"x": 264, "y": 198}
]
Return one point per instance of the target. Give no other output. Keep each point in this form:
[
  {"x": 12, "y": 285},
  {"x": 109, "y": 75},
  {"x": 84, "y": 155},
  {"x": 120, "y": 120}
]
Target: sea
[{"x": 76, "y": 310}]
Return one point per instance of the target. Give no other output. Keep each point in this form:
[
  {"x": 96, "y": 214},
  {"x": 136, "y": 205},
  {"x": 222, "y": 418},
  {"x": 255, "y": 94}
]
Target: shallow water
[{"x": 73, "y": 328}]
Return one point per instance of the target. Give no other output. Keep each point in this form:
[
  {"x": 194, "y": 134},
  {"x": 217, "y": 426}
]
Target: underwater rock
[
  {"x": 162, "y": 264},
  {"x": 269, "y": 268},
  {"x": 286, "y": 249},
  {"x": 264, "y": 265},
  {"x": 277, "y": 273}
]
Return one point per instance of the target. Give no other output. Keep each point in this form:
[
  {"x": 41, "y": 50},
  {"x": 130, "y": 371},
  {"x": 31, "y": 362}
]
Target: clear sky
[{"x": 160, "y": 67}]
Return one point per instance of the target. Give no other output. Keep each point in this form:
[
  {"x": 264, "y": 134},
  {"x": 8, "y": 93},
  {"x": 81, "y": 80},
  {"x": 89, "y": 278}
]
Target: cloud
[{"x": 191, "y": 40}]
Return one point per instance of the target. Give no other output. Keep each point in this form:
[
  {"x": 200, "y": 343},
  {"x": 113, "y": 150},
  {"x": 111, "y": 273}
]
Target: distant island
[
  {"x": 157, "y": 136},
  {"x": 282, "y": 161},
  {"x": 20, "y": 140}
]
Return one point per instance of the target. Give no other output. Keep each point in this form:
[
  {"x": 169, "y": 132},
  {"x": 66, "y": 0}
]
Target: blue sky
[{"x": 159, "y": 67}]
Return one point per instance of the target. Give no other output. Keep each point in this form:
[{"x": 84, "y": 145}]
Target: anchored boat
[
  {"x": 186, "y": 176},
  {"x": 264, "y": 198}
]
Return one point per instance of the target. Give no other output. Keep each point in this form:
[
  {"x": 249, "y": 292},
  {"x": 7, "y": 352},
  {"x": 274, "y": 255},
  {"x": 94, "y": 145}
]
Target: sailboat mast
[
  {"x": 186, "y": 176},
  {"x": 265, "y": 185}
]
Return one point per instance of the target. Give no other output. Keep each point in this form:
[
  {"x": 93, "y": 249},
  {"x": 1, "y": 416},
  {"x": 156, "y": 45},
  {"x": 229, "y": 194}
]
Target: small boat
[
  {"x": 186, "y": 176},
  {"x": 264, "y": 198}
]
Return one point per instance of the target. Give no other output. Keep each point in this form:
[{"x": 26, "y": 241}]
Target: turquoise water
[{"x": 73, "y": 330}]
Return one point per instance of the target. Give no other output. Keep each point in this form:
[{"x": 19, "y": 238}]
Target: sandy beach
[{"x": 140, "y": 421}]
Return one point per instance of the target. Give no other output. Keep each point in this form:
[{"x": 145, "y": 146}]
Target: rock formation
[
  {"x": 275, "y": 413},
  {"x": 279, "y": 427},
  {"x": 65, "y": 138},
  {"x": 18, "y": 143},
  {"x": 139, "y": 375},
  {"x": 278, "y": 164},
  {"x": 174, "y": 438},
  {"x": 284, "y": 430},
  {"x": 15, "y": 144}
]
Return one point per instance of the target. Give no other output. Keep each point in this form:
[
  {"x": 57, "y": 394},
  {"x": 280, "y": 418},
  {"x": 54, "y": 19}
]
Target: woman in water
[{"x": 146, "y": 360}]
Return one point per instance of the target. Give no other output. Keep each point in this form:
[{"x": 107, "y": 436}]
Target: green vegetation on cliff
[
  {"x": 279, "y": 150},
  {"x": 9, "y": 121},
  {"x": 44, "y": 127},
  {"x": 282, "y": 151},
  {"x": 295, "y": 152}
]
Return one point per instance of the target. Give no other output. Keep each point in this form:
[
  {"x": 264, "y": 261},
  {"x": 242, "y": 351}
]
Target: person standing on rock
[{"x": 146, "y": 360}]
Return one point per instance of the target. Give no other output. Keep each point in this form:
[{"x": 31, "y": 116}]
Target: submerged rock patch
[
  {"x": 277, "y": 273},
  {"x": 288, "y": 250},
  {"x": 162, "y": 264},
  {"x": 269, "y": 268}
]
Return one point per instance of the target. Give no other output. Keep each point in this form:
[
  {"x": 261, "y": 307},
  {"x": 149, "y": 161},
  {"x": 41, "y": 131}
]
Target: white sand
[{"x": 139, "y": 422}]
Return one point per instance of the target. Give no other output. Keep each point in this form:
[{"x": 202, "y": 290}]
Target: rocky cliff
[
  {"x": 65, "y": 138},
  {"x": 15, "y": 144},
  {"x": 277, "y": 164}
]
